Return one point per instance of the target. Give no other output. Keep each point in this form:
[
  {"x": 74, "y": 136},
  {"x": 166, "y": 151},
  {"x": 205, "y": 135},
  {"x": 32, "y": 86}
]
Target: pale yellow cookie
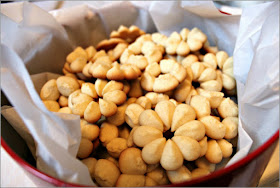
[
  {"x": 78, "y": 102},
  {"x": 165, "y": 110},
  {"x": 67, "y": 85},
  {"x": 203, "y": 146},
  {"x": 226, "y": 147},
  {"x": 164, "y": 83},
  {"x": 189, "y": 60},
  {"x": 107, "y": 108},
  {"x": 78, "y": 64},
  {"x": 85, "y": 148},
  {"x": 182, "y": 91},
  {"x": 179, "y": 175},
  {"x": 182, "y": 114},
  {"x": 172, "y": 157},
  {"x": 150, "y": 118},
  {"x": 108, "y": 44},
  {"x": 91, "y": 51},
  {"x": 65, "y": 110},
  {"x": 201, "y": 105},
  {"x": 139, "y": 61},
  {"x": 153, "y": 69},
  {"x": 51, "y": 105},
  {"x": 215, "y": 98},
  {"x": 145, "y": 102},
  {"x": 119, "y": 117},
  {"x": 188, "y": 146},
  {"x": 193, "y": 129},
  {"x": 214, "y": 153},
  {"x": 210, "y": 59},
  {"x": 148, "y": 133},
  {"x": 132, "y": 114},
  {"x": 115, "y": 73},
  {"x": 207, "y": 74},
  {"x": 147, "y": 81},
  {"x": 156, "y": 97},
  {"x": 192, "y": 93},
  {"x": 92, "y": 112},
  {"x": 213, "y": 127},
  {"x": 184, "y": 34},
  {"x": 229, "y": 82},
  {"x": 152, "y": 152},
  {"x": 131, "y": 72},
  {"x": 77, "y": 52},
  {"x": 99, "y": 86},
  {"x": 196, "y": 38},
  {"x": 50, "y": 91},
  {"x": 118, "y": 50},
  {"x": 183, "y": 48},
  {"x": 128, "y": 34},
  {"x": 231, "y": 124},
  {"x": 85, "y": 70},
  {"x": 228, "y": 108},
  {"x": 221, "y": 57},
  {"x": 112, "y": 86},
  {"x": 63, "y": 101},
  {"x": 228, "y": 67},
  {"x": 116, "y": 96},
  {"x": 89, "y": 89}
]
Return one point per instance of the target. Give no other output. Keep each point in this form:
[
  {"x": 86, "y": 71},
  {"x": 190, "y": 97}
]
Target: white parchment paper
[
  {"x": 35, "y": 41},
  {"x": 256, "y": 68}
]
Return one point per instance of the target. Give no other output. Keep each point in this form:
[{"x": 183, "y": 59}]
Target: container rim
[
  {"x": 215, "y": 174},
  {"x": 218, "y": 173}
]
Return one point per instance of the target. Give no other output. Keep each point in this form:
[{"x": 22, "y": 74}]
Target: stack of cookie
[{"x": 154, "y": 109}]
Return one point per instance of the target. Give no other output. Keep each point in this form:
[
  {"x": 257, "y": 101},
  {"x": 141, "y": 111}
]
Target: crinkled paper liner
[{"x": 34, "y": 41}]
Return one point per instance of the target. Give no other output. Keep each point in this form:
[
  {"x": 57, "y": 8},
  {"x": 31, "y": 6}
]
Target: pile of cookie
[{"x": 154, "y": 109}]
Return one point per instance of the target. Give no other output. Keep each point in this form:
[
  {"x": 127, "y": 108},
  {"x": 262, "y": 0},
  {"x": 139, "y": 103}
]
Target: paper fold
[
  {"x": 256, "y": 68},
  {"x": 57, "y": 138}
]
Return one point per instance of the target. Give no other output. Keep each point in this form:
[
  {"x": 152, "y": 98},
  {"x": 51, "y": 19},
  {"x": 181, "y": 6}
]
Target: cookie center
[
  {"x": 168, "y": 134},
  {"x": 195, "y": 84}
]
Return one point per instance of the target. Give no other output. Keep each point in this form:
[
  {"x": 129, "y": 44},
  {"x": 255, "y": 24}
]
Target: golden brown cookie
[
  {"x": 106, "y": 173},
  {"x": 108, "y": 44},
  {"x": 131, "y": 180},
  {"x": 128, "y": 34},
  {"x": 131, "y": 162}
]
